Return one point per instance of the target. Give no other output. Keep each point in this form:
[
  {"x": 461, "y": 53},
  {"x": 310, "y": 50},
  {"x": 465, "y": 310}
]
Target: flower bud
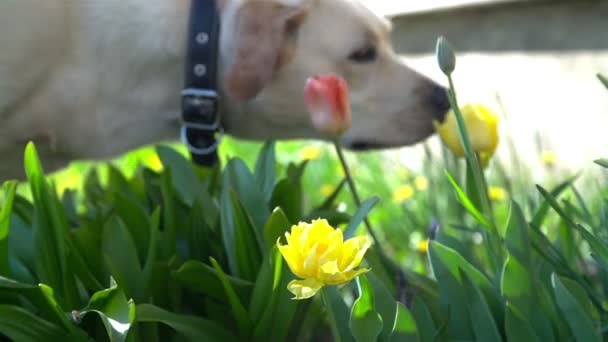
[
  {"x": 445, "y": 56},
  {"x": 326, "y": 98}
]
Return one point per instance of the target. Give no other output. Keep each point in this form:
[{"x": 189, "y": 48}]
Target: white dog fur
[{"x": 94, "y": 78}]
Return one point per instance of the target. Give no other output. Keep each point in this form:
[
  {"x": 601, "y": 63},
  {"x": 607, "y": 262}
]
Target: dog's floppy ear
[{"x": 266, "y": 33}]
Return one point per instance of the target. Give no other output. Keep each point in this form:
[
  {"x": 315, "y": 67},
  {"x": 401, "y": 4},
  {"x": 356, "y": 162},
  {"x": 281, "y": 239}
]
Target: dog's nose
[{"x": 439, "y": 102}]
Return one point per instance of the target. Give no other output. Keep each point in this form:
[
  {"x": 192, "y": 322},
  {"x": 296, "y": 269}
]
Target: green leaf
[
  {"x": 484, "y": 325},
  {"x": 576, "y": 315},
  {"x": 516, "y": 280},
  {"x": 603, "y": 79},
  {"x": 365, "y": 322},
  {"x": 238, "y": 310},
  {"x": 405, "y": 329},
  {"x": 20, "y": 325},
  {"x": 424, "y": 320},
  {"x": 275, "y": 227},
  {"x": 265, "y": 169},
  {"x": 243, "y": 244},
  {"x": 183, "y": 177},
  {"x": 120, "y": 256},
  {"x": 238, "y": 179},
  {"x": 453, "y": 300},
  {"x": 9, "y": 189},
  {"x": 204, "y": 279},
  {"x": 50, "y": 233},
  {"x": 603, "y": 162},
  {"x": 543, "y": 210},
  {"x": 339, "y": 312},
  {"x": 596, "y": 245},
  {"x": 446, "y": 264},
  {"x": 384, "y": 302},
  {"x": 135, "y": 219},
  {"x": 517, "y": 326},
  {"x": 516, "y": 286},
  {"x": 468, "y": 204},
  {"x": 115, "y": 311},
  {"x": 41, "y": 296},
  {"x": 271, "y": 306},
  {"x": 361, "y": 214},
  {"x": 516, "y": 235},
  {"x": 193, "y": 328},
  {"x": 170, "y": 215}
]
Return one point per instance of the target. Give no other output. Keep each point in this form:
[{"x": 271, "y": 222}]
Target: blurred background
[{"x": 537, "y": 59}]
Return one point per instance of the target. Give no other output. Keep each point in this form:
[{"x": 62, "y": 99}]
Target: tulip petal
[
  {"x": 345, "y": 277},
  {"x": 293, "y": 258},
  {"x": 303, "y": 289},
  {"x": 354, "y": 250}
]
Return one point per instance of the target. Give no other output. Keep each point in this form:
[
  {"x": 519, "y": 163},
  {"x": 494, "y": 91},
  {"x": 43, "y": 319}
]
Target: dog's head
[{"x": 269, "y": 48}]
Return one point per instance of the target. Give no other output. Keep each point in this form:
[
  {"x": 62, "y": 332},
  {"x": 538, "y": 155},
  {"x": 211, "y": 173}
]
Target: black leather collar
[{"x": 201, "y": 128}]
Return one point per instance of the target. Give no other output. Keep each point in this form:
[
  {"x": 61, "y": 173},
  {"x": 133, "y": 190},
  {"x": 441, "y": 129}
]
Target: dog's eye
[{"x": 364, "y": 55}]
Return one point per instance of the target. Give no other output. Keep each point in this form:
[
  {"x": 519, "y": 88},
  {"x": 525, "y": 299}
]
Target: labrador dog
[{"x": 90, "y": 79}]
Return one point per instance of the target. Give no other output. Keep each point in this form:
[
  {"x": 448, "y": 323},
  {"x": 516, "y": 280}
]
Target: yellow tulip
[
  {"x": 317, "y": 253},
  {"x": 482, "y": 126}
]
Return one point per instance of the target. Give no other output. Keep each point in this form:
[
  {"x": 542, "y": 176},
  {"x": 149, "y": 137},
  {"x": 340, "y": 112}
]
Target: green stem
[
  {"x": 330, "y": 314},
  {"x": 353, "y": 189},
  {"x": 388, "y": 263},
  {"x": 478, "y": 175}
]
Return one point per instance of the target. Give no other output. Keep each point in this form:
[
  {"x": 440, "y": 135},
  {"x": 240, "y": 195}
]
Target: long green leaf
[
  {"x": 275, "y": 227},
  {"x": 193, "y": 328},
  {"x": 543, "y": 210},
  {"x": 265, "y": 169},
  {"x": 204, "y": 279},
  {"x": 242, "y": 242},
  {"x": 20, "y": 325},
  {"x": 517, "y": 327},
  {"x": 238, "y": 310},
  {"x": 405, "y": 329},
  {"x": 50, "y": 233},
  {"x": 484, "y": 325},
  {"x": 121, "y": 258},
  {"x": 424, "y": 320},
  {"x": 9, "y": 190},
  {"x": 41, "y": 296},
  {"x": 183, "y": 177},
  {"x": 361, "y": 214},
  {"x": 603, "y": 79},
  {"x": 577, "y": 317},
  {"x": 468, "y": 204}
]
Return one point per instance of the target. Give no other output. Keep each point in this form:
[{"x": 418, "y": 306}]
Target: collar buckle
[{"x": 201, "y": 121}]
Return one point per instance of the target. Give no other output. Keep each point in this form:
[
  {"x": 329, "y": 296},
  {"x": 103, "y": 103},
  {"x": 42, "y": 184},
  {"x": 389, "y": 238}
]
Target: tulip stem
[
  {"x": 353, "y": 189},
  {"x": 330, "y": 314},
  {"x": 473, "y": 159}
]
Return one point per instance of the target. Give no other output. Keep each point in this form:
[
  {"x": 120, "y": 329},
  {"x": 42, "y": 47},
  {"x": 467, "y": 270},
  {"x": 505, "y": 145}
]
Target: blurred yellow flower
[
  {"x": 310, "y": 152},
  {"x": 497, "y": 193},
  {"x": 482, "y": 126},
  {"x": 548, "y": 157},
  {"x": 403, "y": 193},
  {"x": 421, "y": 183},
  {"x": 423, "y": 246},
  {"x": 327, "y": 189},
  {"x": 317, "y": 253}
]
